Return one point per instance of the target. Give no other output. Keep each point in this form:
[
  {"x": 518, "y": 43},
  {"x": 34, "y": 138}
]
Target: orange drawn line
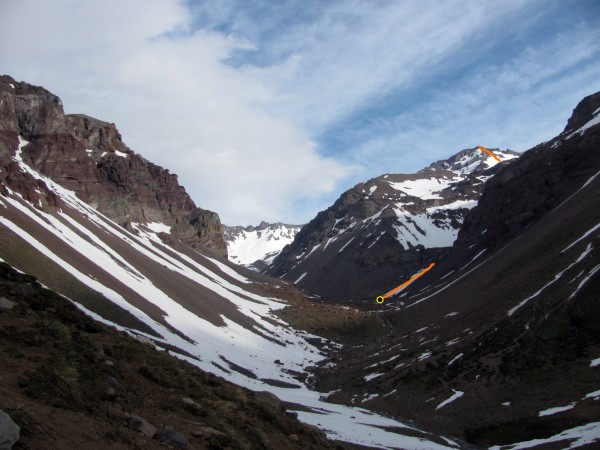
[
  {"x": 406, "y": 283},
  {"x": 489, "y": 153}
]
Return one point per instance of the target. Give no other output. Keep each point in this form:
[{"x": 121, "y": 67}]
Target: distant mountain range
[
  {"x": 256, "y": 247},
  {"x": 388, "y": 228}
]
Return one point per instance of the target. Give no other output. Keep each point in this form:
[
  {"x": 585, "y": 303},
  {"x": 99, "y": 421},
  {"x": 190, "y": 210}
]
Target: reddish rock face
[{"x": 88, "y": 156}]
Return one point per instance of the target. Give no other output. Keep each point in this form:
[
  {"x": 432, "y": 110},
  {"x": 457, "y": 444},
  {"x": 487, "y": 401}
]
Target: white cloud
[
  {"x": 355, "y": 52},
  {"x": 173, "y": 99},
  {"x": 233, "y": 96}
]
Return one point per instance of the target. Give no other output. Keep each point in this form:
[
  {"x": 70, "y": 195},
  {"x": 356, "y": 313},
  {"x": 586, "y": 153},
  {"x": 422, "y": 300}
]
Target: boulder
[
  {"x": 9, "y": 431},
  {"x": 141, "y": 425},
  {"x": 191, "y": 406},
  {"x": 268, "y": 398},
  {"x": 6, "y": 303},
  {"x": 173, "y": 437}
]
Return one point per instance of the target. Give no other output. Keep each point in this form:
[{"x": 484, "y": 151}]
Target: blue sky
[{"x": 269, "y": 110}]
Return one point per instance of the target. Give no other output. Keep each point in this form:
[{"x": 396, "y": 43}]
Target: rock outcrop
[
  {"x": 523, "y": 193},
  {"x": 88, "y": 156},
  {"x": 10, "y": 432}
]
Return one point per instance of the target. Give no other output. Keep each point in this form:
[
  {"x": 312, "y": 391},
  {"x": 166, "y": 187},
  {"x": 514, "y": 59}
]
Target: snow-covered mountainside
[
  {"x": 149, "y": 282},
  {"x": 387, "y": 228},
  {"x": 257, "y": 247}
]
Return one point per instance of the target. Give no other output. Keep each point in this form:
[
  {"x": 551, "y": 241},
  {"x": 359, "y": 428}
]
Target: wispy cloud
[
  {"x": 175, "y": 100},
  {"x": 265, "y": 108},
  {"x": 517, "y": 104}
]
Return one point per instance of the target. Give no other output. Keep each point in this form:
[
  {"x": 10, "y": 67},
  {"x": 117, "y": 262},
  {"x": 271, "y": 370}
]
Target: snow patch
[
  {"x": 584, "y": 128},
  {"x": 372, "y": 376},
  {"x": 585, "y": 280},
  {"x": 595, "y": 395},
  {"x": 580, "y": 436},
  {"x": 557, "y": 277},
  {"x": 586, "y": 234},
  {"x": 455, "y": 396},
  {"x": 425, "y": 188},
  {"x": 300, "y": 278},
  {"x": 556, "y": 410},
  {"x": 456, "y": 358},
  {"x": 158, "y": 227},
  {"x": 347, "y": 244},
  {"x": 424, "y": 356},
  {"x": 458, "y": 204}
]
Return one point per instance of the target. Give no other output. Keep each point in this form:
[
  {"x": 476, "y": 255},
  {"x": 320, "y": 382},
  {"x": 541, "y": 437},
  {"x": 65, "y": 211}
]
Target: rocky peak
[
  {"x": 88, "y": 156},
  {"x": 470, "y": 160},
  {"x": 584, "y": 112},
  {"x": 387, "y": 228},
  {"x": 96, "y": 134},
  {"x": 31, "y": 110}
]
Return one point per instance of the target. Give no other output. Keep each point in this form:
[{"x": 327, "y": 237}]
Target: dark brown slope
[
  {"x": 69, "y": 382},
  {"x": 88, "y": 156},
  {"x": 508, "y": 317}
]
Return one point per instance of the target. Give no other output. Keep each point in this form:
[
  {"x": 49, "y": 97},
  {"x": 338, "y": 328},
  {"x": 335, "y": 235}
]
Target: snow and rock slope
[
  {"x": 500, "y": 341},
  {"x": 88, "y": 157},
  {"x": 387, "y": 228},
  {"x": 147, "y": 280},
  {"x": 257, "y": 247}
]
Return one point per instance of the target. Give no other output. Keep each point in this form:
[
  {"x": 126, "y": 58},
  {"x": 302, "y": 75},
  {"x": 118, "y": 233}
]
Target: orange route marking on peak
[
  {"x": 489, "y": 152},
  {"x": 406, "y": 283}
]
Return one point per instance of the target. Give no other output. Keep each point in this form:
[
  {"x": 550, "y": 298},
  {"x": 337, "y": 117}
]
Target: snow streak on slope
[{"x": 196, "y": 306}]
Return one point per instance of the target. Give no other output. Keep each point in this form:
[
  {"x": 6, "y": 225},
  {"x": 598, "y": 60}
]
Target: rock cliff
[{"x": 88, "y": 156}]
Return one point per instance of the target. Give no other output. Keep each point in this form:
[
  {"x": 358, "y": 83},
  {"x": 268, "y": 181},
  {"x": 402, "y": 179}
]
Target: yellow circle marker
[{"x": 380, "y": 299}]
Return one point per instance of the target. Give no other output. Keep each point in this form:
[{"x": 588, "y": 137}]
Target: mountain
[
  {"x": 87, "y": 156},
  {"x": 387, "y": 228},
  {"x": 155, "y": 274},
  {"x": 256, "y": 247},
  {"x": 499, "y": 341}
]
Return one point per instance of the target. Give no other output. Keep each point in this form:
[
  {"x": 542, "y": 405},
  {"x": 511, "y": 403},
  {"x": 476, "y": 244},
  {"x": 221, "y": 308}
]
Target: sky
[{"x": 270, "y": 109}]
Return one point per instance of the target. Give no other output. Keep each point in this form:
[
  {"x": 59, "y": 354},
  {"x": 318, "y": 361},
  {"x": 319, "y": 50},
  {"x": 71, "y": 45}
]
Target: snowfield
[{"x": 247, "y": 247}]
